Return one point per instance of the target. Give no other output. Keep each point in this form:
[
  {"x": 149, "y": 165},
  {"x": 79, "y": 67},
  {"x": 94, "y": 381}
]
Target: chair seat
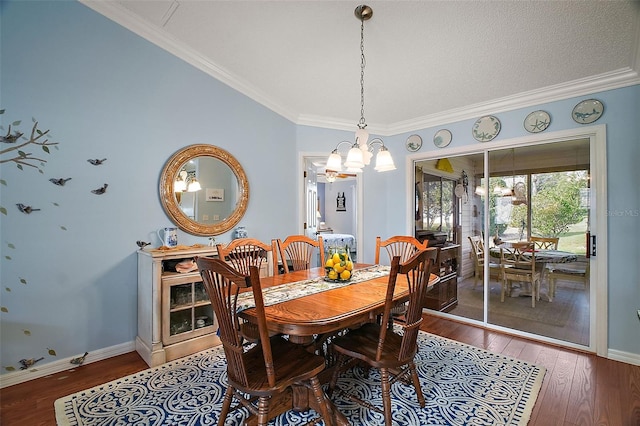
[
  {"x": 362, "y": 344},
  {"x": 289, "y": 360},
  {"x": 521, "y": 273},
  {"x": 569, "y": 271}
]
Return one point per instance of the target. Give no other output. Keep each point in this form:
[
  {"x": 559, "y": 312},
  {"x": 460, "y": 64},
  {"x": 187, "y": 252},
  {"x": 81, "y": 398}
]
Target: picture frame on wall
[
  {"x": 214, "y": 194},
  {"x": 341, "y": 204}
]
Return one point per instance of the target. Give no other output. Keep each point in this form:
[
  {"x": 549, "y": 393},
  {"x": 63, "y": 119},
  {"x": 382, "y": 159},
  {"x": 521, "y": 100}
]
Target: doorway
[
  {"x": 523, "y": 190},
  {"x": 332, "y": 205}
]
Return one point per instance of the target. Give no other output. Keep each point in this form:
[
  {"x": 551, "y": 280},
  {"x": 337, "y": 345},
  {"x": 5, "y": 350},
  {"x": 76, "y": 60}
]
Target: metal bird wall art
[
  {"x": 79, "y": 360},
  {"x": 101, "y": 190},
  {"x": 142, "y": 244},
  {"x": 96, "y": 162},
  {"x": 26, "y": 363},
  {"x": 60, "y": 181},
  {"x": 26, "y": 209},
  {"x": 9, "y": 138}
]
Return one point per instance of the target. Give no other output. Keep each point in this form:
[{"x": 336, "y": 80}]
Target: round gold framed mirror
[{"x": 204, "y": 190}]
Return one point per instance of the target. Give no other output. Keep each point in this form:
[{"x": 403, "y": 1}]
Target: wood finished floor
[{"x": 579, "y": 389}]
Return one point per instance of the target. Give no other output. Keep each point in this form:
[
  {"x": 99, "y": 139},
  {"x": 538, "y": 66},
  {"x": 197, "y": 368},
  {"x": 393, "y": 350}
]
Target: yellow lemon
[
  {"x": 336, "y": 258},
  {"x": 333, "y": 275},
  {"x": 338, "y": 267},
  {"x": 349, "y": 265},
  {"x": 345, "y": 275},
  {"x": 329, "y": 263}
]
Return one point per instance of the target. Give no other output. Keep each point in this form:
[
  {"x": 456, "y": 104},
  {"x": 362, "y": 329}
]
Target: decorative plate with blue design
[
  {"x": 486, "y": 128},
  {"x": 587, "y": 111},
  {"x": 442, "y": 138}
]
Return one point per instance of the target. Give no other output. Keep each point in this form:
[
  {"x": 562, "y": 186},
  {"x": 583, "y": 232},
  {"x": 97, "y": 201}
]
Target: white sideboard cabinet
[{"x": 175, "y": 317}]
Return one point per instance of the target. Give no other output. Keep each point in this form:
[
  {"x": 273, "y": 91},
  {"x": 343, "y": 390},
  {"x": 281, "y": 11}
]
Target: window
[{"x": 437, "y": 205}]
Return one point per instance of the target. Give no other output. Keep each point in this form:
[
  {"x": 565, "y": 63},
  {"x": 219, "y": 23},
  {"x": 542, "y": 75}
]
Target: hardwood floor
[{"x": 578, "y": 389}]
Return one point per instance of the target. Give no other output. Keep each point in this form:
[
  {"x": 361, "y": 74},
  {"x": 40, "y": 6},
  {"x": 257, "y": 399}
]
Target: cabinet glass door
[{"x": 187, "y": 311}]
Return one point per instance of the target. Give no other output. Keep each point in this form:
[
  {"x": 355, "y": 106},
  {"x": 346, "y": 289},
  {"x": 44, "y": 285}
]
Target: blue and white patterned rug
[{"x": 462, "y": 385}]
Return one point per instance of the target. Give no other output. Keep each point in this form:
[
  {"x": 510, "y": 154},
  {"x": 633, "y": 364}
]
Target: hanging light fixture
[
  {"x": 187, "y": 183},
  {"x": 362, "y": 150}
]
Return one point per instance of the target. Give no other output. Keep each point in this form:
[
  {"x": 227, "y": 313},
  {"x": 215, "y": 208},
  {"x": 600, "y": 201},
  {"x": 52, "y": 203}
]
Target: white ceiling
[{"x": 428, "y": 62}]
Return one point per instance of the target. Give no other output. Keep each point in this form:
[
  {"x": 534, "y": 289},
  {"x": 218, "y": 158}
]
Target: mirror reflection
[{"x": 204, "y": 190}]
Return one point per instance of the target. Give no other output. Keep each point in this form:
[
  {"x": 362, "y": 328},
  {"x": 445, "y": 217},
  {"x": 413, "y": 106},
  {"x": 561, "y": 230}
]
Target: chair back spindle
[
  {"x": 545, "y": 243},
  {"x": 242, "y": 253},
  {"x": 297, "y": 251},
  {"x": 399, "y": 245}
]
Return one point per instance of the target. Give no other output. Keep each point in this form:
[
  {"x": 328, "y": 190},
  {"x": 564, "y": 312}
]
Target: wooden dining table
[{"x": 312, "y": 319}]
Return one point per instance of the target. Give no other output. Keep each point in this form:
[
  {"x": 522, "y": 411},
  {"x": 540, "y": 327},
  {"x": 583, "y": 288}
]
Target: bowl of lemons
[{"x": 338, "y": 266}]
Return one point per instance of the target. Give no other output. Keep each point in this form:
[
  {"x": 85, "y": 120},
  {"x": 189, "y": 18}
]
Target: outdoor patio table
[{"x": 543, "y": 257}]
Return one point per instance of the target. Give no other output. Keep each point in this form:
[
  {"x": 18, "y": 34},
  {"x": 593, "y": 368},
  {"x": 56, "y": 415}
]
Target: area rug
[{"x": 462, "y": 385}]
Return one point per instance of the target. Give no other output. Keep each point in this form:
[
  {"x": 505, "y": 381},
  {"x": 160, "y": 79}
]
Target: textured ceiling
[{"x": 427, "y": 61}]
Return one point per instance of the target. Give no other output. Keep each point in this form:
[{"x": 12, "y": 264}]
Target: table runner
[{"x": 295, "y": 290}]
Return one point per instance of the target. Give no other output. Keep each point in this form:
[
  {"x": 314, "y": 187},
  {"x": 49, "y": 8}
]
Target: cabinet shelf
[{"x": 187, "y": 306}]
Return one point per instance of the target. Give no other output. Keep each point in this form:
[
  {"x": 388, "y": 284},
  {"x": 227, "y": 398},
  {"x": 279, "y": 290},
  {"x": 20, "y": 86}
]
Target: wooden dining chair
[
  {"x": 380, "y": 347},
  {"x": 297, "y": 251},
  {"x": 400, "y": 245},
  {"x": 574, "y": 271},
  {"x": 518, "y": 264},
  {"x": 478, "y": 252},
  {"x": 545, "y": 243},
  {"x": 242, "y": 253},
  {"x": 263, "y": 370}
]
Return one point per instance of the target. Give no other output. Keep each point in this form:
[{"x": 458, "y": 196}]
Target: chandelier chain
[{"x": 362, "y": 124}]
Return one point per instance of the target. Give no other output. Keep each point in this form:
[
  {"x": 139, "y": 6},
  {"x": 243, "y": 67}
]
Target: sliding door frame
[{"x": 598, "y": 287}]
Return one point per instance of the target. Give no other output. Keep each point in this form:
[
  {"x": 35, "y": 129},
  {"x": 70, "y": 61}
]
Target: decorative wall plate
[
  {"x": 486, "y": 128},
  {"x": 587, "y": 111},
  {"x": 414, "y": 143},
  {"x": 442, "y": 138},
  {"x": 537, "y": 121}
]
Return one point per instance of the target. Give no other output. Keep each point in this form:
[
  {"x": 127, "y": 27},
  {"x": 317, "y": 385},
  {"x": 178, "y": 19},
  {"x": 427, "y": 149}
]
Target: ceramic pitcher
[{"x": 168, "y": 236}]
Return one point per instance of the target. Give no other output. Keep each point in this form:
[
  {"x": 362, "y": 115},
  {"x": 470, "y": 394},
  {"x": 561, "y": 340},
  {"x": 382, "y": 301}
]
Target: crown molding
[
  {"x": 607, "y": 81},
  {"x": 612, "y": 80},
  {"x": 151, "y": 33},
  {"x": 586, "y": 86}
]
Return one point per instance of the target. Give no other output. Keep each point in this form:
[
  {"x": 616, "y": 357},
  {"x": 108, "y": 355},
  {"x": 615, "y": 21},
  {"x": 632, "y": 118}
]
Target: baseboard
[
  {"x": 44, "y": 370},
  {"x": 626, "y": 357}
]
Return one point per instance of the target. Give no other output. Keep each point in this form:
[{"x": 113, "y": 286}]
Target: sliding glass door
[{"x": 512, "y": 195}]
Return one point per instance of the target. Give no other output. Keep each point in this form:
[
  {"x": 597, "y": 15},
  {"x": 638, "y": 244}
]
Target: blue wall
[
  {"x": 106, "y": 93},
  {"x": 68, "y": 272}
]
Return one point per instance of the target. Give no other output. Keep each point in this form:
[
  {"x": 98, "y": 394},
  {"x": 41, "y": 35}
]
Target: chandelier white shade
[
  {"x": 184, "y": 182},
  {"x": 361, "y": 151}
]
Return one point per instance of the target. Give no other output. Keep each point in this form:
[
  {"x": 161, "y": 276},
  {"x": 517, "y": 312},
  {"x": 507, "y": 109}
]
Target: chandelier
[
  {"x": 186, "y": 182},
  {"x": 362, "y": 149}
]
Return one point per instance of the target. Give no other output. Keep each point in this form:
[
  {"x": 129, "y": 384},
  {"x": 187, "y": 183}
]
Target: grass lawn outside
[{"x": 575, "y": 241}]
